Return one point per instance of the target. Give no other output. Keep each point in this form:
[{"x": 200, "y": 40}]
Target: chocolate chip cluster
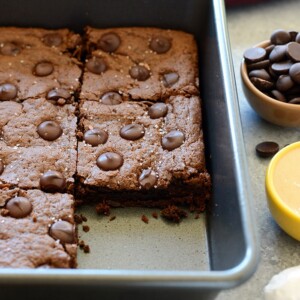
[{"x": 275, "y": 69}]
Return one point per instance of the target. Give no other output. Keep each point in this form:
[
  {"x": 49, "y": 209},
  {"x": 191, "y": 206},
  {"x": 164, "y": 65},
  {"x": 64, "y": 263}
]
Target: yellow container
[{"x": 283, "y": 189}]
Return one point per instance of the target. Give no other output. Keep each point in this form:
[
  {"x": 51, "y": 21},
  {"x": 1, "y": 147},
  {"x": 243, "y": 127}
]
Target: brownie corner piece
[{"x": 140, "y": 63}]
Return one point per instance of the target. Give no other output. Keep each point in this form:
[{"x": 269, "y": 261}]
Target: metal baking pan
[{"x": 130, "y": 259}]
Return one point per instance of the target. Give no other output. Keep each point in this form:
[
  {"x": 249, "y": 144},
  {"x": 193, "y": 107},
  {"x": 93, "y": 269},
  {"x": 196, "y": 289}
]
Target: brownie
[
  {"x": 37, "y": 229},
  {"x": 24, "y": 166},
  {"x": 140, "y": 63},
  {"x": 38, "y": 63},
  {"x": 37, "y": 122},
  {"x": 147, "y": 159}
]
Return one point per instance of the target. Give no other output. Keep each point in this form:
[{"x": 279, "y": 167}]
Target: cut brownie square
[
  {"x": 143, "y": 154},
  {"x": 140, "y": 63},
  {"x": 37, "y": 63},
  {"x": 26, "y": 167},
  {"x": 37, "y": 122},
  {"x": 37, "y": 229}
]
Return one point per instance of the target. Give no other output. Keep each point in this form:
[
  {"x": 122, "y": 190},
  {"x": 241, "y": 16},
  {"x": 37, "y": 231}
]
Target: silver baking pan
[{"x": 130, "y": 259}]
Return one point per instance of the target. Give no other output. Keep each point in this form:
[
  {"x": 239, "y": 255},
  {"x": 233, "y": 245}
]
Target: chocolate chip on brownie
[
  {"x": 52, "y": 181},
  {"x": 19, "y": 207},
  {"x": 49, "y": 130},
  {"x": 95, "y": 137}
]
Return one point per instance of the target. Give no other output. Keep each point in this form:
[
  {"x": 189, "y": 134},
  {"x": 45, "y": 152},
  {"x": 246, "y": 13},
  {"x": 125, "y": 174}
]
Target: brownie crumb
[
  {"x": 83, "y": 218},
  {"x": 197, "y": 216},
  {"x": 112, "y": 218},
  {"x": 103, "y": 209},
  {"x": 86, "y": 249},
  {"x": 85, "y": 228},
  {"x": 173, "y": 213},
  {"x": 145, "y": 219},
  {"x": 155, "y": 215},
  {"x": 4, "y": 212},
  {"x": 34, "y": 219},
  {"x": 77, "y": 219},
  {"x": 81, "y": 244}
]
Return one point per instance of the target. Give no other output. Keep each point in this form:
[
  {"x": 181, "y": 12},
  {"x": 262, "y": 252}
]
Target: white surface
[{"x": 249, "y": 25}]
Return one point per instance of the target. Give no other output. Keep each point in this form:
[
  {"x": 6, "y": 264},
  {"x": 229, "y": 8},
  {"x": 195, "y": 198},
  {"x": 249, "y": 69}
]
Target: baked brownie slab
[
  {"x": 140, "y": 153},
  {"x": 31, "y": 67},
  {"x": 140, "y": 63},
  {"x": 25, "y": 167},
  {"x": 37, "y": 122},
  {"x": 37, "y": 229}
]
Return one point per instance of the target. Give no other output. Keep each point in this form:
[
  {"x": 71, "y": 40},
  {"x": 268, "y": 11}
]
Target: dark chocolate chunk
[
  {"x": 52, "y": 39},
  {"x": 1, "y": 167},
  {"x": 43, "y": 68},
  {"x": 278, "y": 95},
  {"x": 295, "y": 72},
  {"x": 261, "y": 84},
  {"x": 49, "y": 130},
  {"x": 139, "y": 73},
  {"x": 262, "y": 74},
  {"x": 284, "y": 83},
  {"x": 109, "y": 42},
  {"x": 19, "y": 207},
  {"x": 170, "y": 79},
  {"x": 172, "y": 140},
  {"x": 109, "y": 161},
  {"x": 52, "y": 181},
  {"x": 278, "y": 53},
  {"x": 160, "y": 44},
  {"x": 58, "y": 93},
  {"x": 147, "y": 179},
  {"x": 254, "y": 54},
  {"x": 111, "y": 98},
  {"x": 10, "y": 49},
  {"x": 266, "y": 149},
  {"x": 132, "y": 132},
  {"x": 8, "y": 91},
  {"x": 280, "y": 37},
  {"x": 96, "y": 65},
  {"x": 63, "y": 231},
  {"x": 158, "y": 110},
  {"x": 281, "y": 67},
  {"x": 95, "y": 137},
  {"x": 295, "y": 100},
  {"x": 293, "y": 51}
]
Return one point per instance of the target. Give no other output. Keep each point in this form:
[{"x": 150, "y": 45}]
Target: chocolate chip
[
  {"x": 10, "y": 49},
  {"x": 52, "y": 39},
  {"x": 63, "y": 231},
  {"x": 160, "y": 44},
  {"x": 297, "y": 39},
  {"x": 266, "y": 149},
  {"x": 295, "y": 100},
  {"x": 1, "y": 167},
  {"x": 132, "y": 132},
  {"x": 295, "y": 72},
  {"x": 278, "y": 96},
  {"x": 139, "y": 73},
  {"x": 8, "y": 91},
  {"x": 170, "y": 79},
  {"x": 147, "y": 179},
  {"x": 158, "y": 110},
  {"x": 58, "y": 93},
  {"x": 52, "y": 181},
  {"x": 278, "y": 53},
  {"x": 109, "y": 161},
  {"x": 49, "y": 130},
  {"x": 280, "y": 37},
  {"x": 259, "y": 65},
  {"x": 96, "y": 65},
  {"x": 172, "y": 140},
  {"x": 19, "y": 207},
  {"x": 95, "y": 137},
  {"x": 261, "y": 84},
  {"x": 255, "y": 54},
  {"x": 43, "y": 68},
  {"x": 109, "y": 42},
  {"x": 293, "y": 35},
  {"x": 281, "y": 67},
  {"x": 293, "y": 51},
  {"x": 284, "y": 83},
  {"x": 111, "y": 98},
  {"x": 269, "y": 48},
  {"x": 262, "y": 74}
]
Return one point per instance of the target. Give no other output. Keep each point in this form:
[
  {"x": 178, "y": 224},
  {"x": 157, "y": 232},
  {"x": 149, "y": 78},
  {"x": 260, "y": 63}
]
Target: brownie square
[
  {"x": 23, "y": 166},
  {"x": 31, "y": 224},
  {"x": 37, "y": 122},
  {"x": 33, "y": 64},
  {"x": 165, "y": 165},
  {"x": 140, "y": 63}
]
